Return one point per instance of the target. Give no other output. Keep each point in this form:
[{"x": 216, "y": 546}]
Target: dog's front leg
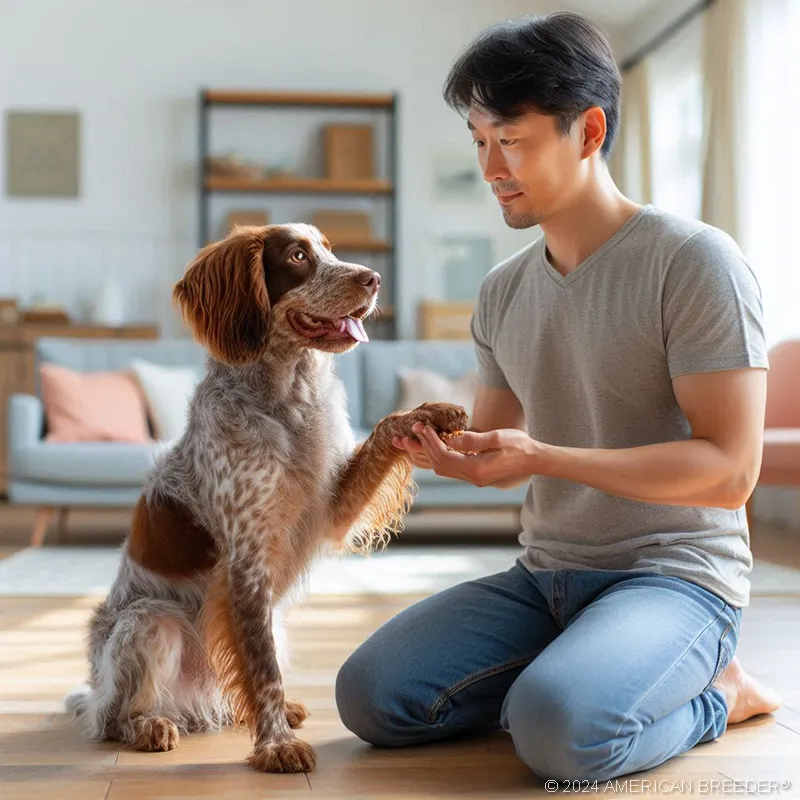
[
  {"x": 375, "y": 490},
  {"x": 242, "y": 648}
]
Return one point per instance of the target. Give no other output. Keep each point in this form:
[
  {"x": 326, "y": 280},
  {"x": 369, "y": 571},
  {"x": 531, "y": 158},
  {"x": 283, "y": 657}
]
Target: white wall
[{"x": 133, "y": 71}]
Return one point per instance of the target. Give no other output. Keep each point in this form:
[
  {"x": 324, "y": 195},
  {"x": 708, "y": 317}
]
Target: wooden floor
[{"x": 41, "y": 755}]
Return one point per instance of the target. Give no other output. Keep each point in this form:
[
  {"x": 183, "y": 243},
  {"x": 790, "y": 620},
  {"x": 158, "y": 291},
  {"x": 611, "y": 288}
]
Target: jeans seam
[
  {"x": 448, "y": 694},
  {"x": 664, "y": 677},
  {"x": 718, "y": 667}
]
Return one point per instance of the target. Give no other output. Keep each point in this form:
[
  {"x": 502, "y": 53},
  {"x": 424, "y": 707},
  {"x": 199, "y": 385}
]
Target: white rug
[{"x": 89, "y": 571}]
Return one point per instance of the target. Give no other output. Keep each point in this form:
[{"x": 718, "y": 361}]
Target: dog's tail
[
  {"x": 224, "y": 651},
  {"x": 77, "y": 701}
]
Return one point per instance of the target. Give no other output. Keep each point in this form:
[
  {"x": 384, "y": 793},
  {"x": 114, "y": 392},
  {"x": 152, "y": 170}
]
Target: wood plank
[
  {"x": 323, "y": 99},
  {"x": 48, "y": 790}
]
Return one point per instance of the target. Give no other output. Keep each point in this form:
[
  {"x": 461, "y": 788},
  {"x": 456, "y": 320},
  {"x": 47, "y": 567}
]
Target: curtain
[
  {"x": 724, "y": 67},
  {"x": 770, "y": 184},
  {"x": 631, "y": 158}
]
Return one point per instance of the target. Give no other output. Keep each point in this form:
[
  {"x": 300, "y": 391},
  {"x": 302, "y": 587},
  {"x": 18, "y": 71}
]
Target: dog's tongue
[{"x": 355, "y": 328}]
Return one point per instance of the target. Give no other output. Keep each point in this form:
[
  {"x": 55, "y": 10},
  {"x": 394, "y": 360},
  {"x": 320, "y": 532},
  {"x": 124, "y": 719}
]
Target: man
[{"x": 623, "y": 370}]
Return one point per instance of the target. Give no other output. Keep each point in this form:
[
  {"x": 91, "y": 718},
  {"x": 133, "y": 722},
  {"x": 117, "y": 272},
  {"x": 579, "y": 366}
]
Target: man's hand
[{"x": 500, "y": 458}]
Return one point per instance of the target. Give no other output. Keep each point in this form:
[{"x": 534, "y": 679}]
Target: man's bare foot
[{"x": 745, "y": 696}]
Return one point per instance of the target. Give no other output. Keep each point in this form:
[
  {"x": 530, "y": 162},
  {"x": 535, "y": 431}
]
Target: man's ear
[
  {"x": 594, "y": 130},
  {"x": 223, "y": 297}
]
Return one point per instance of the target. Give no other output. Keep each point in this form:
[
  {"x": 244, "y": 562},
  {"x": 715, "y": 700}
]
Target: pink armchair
[{"x": 781, "y": 456}]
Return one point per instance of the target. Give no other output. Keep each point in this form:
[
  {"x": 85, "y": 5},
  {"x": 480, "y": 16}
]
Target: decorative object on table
[
  {"x": 109, "y": 305},
  {"x": 437, "y": 320},
  {"x": 457, "y": 179},
  {"x": 9, "y": 311},
  {"x": 349, "y": 152},
  {"x": 234, "y": 166},
  {"x": 243, "y": 217},
  {"x": 42, "y": 154},
  {"x": 343, "y": 227},
  {"x": 464, "y": 262}
]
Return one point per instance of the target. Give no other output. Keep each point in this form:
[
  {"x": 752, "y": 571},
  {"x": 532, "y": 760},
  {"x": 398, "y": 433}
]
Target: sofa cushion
[
  {"x": 86, "y": 463},
  {"x": 419, "y": 386},
  {"x": 93, "y": 406},
  {"x": 168, "y": 392},
  {"x": 115, "y": 354},
  {"x": 383, "y": 360}
]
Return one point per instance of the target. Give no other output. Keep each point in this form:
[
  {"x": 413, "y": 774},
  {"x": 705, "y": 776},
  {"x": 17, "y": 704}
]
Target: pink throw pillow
[{"x": 93, "y": 406}]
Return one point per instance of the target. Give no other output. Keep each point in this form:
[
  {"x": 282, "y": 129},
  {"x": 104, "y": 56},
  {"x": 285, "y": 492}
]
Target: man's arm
[
  {"x": 717, "y": 467},
  {"x": 496, "y": 408}
]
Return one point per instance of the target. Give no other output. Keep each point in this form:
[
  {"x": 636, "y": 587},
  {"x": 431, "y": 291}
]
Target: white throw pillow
[
  {"x": 168, "y": 391},
  {"x": 419, "y": 386}
]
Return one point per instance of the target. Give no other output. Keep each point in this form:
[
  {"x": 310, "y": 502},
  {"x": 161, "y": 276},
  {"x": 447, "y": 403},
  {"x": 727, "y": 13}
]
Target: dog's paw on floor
[{"x": 286, "y": 755}]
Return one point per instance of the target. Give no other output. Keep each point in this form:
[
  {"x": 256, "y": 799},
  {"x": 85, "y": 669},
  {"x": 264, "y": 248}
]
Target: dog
[{"x": 266, "y": 478}]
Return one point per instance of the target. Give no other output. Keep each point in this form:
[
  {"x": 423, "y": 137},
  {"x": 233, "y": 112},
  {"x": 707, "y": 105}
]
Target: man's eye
[
  {"x": 477, "y": 142},
  {"x": 507, "y": 142}
]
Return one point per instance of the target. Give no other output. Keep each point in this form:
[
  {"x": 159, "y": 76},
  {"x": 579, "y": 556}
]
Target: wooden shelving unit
[{"x": 379, "y": 189}]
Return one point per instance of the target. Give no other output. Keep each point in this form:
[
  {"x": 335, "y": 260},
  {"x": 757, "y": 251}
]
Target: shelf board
[
  {"x": 318, "y": 99},
  {"x": 298, "y": 186},
  {"x": 362, "y": 245}
]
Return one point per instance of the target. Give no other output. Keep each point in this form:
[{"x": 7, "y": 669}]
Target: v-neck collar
[{"x": 593, "y": 258}]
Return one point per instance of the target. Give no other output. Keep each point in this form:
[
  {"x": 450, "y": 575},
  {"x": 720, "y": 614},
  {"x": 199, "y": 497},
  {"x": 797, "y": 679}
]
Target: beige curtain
[
  {"x": 724, "y": 31},
  {"x": 631, "y": 163}
]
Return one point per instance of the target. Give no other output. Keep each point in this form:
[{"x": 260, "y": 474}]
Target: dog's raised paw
[
  {"x": 156, "y": 734},
  {"x": 444, "y": 418},
  {"x": 284, "y": 755},
  {"x": 296, "y": 713}
]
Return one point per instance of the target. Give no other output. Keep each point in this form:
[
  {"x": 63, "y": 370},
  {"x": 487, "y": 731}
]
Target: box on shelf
[{"x": 348, "y": 152}]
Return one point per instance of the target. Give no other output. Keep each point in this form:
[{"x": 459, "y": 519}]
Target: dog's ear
[{"x": 223, "y": 297}]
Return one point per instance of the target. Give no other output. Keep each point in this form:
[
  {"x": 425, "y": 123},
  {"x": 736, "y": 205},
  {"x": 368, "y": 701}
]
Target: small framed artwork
[
  {"x": 457, "y": 179},
  {"x": 464, "y": 260},
  {"x": 42, "y": 154}
]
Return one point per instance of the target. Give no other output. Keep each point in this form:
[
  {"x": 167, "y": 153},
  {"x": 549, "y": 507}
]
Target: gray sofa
[{"x": 53, "y": 476}]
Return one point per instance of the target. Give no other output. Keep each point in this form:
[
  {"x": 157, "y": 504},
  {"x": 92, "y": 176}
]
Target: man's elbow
[{"x": 740, "y": 486}]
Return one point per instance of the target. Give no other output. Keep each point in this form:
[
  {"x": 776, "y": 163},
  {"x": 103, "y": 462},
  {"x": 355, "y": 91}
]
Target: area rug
[{"x": 89, "y": 571}]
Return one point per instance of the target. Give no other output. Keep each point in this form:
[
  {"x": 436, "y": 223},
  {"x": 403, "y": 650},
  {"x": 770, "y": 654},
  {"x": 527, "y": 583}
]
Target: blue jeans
[{"x": 594, "y": 674}]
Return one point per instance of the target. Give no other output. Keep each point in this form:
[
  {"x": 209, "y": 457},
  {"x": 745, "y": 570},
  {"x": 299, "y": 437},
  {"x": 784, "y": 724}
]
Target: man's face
[{"x": 533, "y": 168}]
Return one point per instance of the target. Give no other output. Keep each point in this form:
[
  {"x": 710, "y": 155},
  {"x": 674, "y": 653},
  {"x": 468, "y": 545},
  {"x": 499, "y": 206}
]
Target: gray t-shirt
[{"x": 591, "y": 357}]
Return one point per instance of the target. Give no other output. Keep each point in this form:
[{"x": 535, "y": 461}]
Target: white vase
[{"x": 109, "y": 305}]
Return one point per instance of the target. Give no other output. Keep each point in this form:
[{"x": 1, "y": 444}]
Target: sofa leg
[
  {"x": 63, "y": 515},
  {"x": 44, "y": 516}
]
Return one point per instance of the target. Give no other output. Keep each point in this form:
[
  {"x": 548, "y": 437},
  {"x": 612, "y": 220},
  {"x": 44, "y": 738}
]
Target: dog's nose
[{"x": 369, "y": 279}]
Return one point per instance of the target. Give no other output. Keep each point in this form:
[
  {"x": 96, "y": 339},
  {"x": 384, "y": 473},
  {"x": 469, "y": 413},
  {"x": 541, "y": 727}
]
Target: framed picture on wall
[
  {"x": 42, "y": 154},
  {"x": 457, "y": 179},
  {"x": 464, "y": 261}
]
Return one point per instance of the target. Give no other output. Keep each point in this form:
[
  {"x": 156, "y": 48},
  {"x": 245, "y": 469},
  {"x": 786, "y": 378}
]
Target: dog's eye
[{"x": 298, "y": 256}]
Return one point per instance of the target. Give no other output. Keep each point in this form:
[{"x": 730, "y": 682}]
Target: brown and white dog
[{"x": 266, "y": 478}]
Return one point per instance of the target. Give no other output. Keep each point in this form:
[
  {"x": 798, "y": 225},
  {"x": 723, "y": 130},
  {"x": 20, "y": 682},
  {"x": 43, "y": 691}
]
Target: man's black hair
[{"x": 559, "y": 64}]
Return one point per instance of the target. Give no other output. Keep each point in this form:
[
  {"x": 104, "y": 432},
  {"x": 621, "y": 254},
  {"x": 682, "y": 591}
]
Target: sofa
[{"x": 57, "y": 476}]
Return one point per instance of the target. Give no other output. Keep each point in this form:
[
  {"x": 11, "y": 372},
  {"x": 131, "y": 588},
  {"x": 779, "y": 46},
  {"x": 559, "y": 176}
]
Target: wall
[{"x": 133, "y": 71}]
